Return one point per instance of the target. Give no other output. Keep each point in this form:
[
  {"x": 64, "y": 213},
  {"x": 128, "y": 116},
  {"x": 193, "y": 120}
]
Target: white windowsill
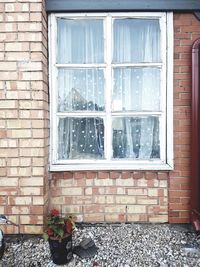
[{"x": 111, "y": 166}]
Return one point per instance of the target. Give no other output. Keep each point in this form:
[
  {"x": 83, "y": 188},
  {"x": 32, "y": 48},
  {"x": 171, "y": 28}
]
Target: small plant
[{"x": 57, "y": 226}]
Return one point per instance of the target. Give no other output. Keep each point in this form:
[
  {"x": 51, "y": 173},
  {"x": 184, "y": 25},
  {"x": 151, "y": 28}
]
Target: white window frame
[{"x": 166, "y": 124}]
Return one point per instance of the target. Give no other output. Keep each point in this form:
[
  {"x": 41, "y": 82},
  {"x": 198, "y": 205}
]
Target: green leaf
[
  {"x": 60, "y": 232},
  {"x": 45, "y": 236}
]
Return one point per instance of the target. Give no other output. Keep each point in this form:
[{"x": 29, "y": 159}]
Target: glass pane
[
  {"x": 81, "y": 89},
  {"x": 136, "y": 89},
  {"x": 80, "y": 41},
  {"x": 136, "y": 40},
  {"x": 81, "y": 138},
  {"x": 136, "y": 138}
]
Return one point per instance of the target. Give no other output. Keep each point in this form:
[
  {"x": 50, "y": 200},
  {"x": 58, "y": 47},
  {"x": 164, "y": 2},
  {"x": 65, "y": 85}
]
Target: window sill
[{"x": 111, "y": 166}]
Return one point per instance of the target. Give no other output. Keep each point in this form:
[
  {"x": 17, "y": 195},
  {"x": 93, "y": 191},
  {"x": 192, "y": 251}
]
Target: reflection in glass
[
  {"x": 136, "y": 40},
  {"x": 136, "y": 138},
  {"x": 136, "y": 89},
  {"x": 81, "y": 138},
  {"x": 80, "y": 41},
  {"x": 80, "y": 89}
]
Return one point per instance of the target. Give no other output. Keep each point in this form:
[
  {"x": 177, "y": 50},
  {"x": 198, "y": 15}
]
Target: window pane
[
  {"x": 80, "y": 41},
  {"x": 136, "y": 138},
  {"x": 136, "y": 89},
  {"x": 81, "y": 89},
  {"x": 81, "y": 138},
  {"x": 136, "y": 40}
]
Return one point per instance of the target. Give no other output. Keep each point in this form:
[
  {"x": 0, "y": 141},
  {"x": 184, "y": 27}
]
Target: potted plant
[{"x": 58, "y": 232}]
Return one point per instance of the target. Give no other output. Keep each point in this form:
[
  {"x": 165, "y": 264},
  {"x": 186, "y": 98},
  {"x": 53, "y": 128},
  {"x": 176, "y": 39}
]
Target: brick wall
[
  {"x": 111, "y": 196},
  {"x": 186, "y": 31},
  {"x": 142, "y": 196},
  {"x": 23, "y": 113},
  {"x": 92, "y": 196}
]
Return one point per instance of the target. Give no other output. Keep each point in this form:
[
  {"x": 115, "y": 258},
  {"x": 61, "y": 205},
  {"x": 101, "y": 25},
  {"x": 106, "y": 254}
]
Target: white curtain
[
  {"x": 80, "y": 41},
  {"x": 136, "y": 88},
  {"x": 136, "y": 40},
  {"x": 81, "y": 138}
]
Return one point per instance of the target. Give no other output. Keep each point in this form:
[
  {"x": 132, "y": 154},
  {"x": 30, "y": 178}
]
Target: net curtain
[{"x": 134, "y": 88}]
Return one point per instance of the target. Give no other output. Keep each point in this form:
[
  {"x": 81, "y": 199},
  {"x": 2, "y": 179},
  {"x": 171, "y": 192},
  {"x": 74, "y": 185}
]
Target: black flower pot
[{"x": 61, "y": 250}]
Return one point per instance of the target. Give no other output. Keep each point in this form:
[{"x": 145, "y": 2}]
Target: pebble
[{"x": 120, "y": 245}]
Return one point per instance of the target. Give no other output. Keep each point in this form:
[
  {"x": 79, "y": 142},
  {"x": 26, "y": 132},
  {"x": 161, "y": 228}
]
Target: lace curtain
[{"x": 135, "y": 89}]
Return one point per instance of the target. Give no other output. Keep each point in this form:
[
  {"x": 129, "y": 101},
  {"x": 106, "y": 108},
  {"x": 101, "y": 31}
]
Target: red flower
[
  {"x": 69, "y": 227},
  {"x": 58, "y": 226},
  {"x": 50, "y": 232},
  {"x": 54, "y": 212}
]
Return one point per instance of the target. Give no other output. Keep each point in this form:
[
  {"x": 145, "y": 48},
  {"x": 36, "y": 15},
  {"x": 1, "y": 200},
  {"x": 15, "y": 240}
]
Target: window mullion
[{"x": 108, "y": 91}]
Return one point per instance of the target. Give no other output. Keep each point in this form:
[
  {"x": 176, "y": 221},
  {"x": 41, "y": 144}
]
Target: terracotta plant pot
[{"x": 61, "y": 250}]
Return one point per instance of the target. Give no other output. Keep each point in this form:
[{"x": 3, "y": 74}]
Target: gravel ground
[{"x": 120, "y": 245}]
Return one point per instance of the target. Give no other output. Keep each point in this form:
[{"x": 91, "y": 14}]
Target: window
[{"x": 110, "y": 91}]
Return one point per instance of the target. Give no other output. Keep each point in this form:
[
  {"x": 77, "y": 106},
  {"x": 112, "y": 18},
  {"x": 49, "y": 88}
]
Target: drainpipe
[{"x": 195, "y": 194}]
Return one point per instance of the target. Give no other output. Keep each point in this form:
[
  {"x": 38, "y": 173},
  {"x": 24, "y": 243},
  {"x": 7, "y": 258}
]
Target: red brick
[
  {"x": 3, "y": 200},
  {"x": 103, "y": 175},
  {"x": 174, "y": 213},
  {"x": 95, "y": 191},
  {"x": 151, "y": 175},
  {"x": 182, "y": 49},
  {"x": 3, "y": 133},
  {"x": 57, "y": 175},
  {"x": 195, "y": 21},
  {"x": 126, "y": 175},
  {"x": 79, "y": 175},
  {"x": 68, "y": 175},
  {"x": 8, "y": 191},
  {"x": 178, "y": 220},
  {"x": 37, "y": 210},
  {"x": 195, "y": 37},
  {"x": 190, "y": 29},
  {"x": 91, "y": 175},
  {"x": 186, "y": 186},
  {"x": 185, "y": 214},
  {"x": 175, "y": 200},
  {"x": 138, "y": 175},
  {"x": 178, "y": 206},
  {"x": 121, "y": 217},
  {"x": 182, "y": 20},
  {"x": 185, "y": 200},
  {"x": 182, "y": 36},
  {"x": 163, "y": 175},
  {"x": 175, "y": 185},
  {"x": 180, "y": 193},
  {"x": 115, "y": 175}
]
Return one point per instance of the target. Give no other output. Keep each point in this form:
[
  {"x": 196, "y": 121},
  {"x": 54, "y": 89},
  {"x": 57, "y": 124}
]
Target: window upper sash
[{"x": 125, "y": 5}]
